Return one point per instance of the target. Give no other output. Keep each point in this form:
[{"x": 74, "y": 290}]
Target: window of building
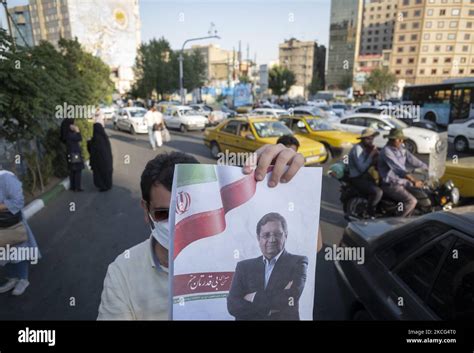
[
  {"x": 416, "y": 25},
  {"x": 401, "y": 38},
  {"x": 439, "y": 36},
  {"x": 414, "y": 37},
  {"x": 423, "y": 60},
  {"x": 449, "y": 48},
  {"x": 430, "y": 12},
  {"x": 463, "y": 60},
  {"x": 422, "y": 71},
  {"x": 435, "y": 60},
  {"x": 445, "y": 71},
  {"x": 398, "y": 72},
  {"x": 465, "y": 48},
  {"x": 467, "y": 36},
  {"x": 429, "y": 24},
  {"x": 400, "y": 49},
  {"x": 426, "y": 36},
  {"x": 455, "y": 12},
  {"x": 403, "y": 26},
  {"x": 451, "y": 36},
  {"x": 406, "y": 2},
  {"x": 447, "y": 60},
  {"x": 425, "y": 48},
  {"x": 437, "y": 48},
  {"x": 442, "y": 12},
  {"x": 461, "y": 71},
  {"x": 453, "y": 24},
  {"x": 434, "y": 71},
  {"x": 440, "y": 24},
  {"x": 399, "y": 61},
  {"x": 468, "y": 24},
  {"x": 417, "y": 13},
  {"x": 409, "y": 72},
  {"x": 411, "y": 60}
]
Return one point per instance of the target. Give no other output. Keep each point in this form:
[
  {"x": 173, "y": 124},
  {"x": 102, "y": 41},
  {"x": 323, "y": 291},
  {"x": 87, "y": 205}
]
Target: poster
[{"x": 242, "y": 250}]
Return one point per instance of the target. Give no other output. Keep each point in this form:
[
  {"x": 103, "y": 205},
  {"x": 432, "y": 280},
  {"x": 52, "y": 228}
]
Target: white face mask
[{"x": 161, "y": 232}]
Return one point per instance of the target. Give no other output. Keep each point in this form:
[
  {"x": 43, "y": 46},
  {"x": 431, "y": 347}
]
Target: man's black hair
[
  {"x": 288, "y": 140},
  {"x": 272, "y": 217},
  {"x": 160, "y": 170}
]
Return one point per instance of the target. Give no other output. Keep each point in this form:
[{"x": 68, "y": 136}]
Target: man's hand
[
  {"x": 278, "y": 155},
  {"x": 250, "y": 297}
]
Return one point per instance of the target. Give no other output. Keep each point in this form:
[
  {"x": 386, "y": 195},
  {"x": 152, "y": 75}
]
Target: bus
[{"x": 443, "y": 103}]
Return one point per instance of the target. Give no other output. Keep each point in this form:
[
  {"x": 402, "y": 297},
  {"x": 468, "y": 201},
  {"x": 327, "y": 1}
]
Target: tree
[
  {"x": 244, "y": 79},
  {"x": 315, "y": 86},
  {"x": 194, "y": 70},
  {"x": 280, "y": 80},
  {"x": 346, "y": 81},
  {"x": 380, "y": 81},
  {"x": 157, "y": 69}
]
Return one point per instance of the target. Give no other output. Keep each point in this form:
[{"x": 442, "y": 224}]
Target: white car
[
  {"x": 419, "y": 140},
  {"x": 311, "y": 110},
  {"x": 461, "y": 134},
  {"x": 184, "y": 118},
  {"x": 108, "y": 111},
  {"x": 131, "y": 119},
  {"x": 274, "y": 113},
  {"x": 317, "y": 102},
  {"x": 339, "y": 108}
]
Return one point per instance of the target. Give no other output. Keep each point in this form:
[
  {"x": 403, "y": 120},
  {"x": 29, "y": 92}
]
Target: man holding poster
[{"x": 269, "y": 287}]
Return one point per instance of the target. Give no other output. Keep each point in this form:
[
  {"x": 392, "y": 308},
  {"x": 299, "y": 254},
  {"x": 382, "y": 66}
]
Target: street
[{"x": 80, "y": 234}]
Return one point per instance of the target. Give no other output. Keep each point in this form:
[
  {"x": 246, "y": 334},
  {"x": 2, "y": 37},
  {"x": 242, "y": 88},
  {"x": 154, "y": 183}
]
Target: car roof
[
  {"x": 384, "y": 230},
  {"x": 252, "y": 119},
  {"x": 366, "y": 115}
]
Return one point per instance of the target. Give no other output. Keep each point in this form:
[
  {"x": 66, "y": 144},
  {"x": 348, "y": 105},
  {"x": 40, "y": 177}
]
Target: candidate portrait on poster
[{"x": 269, "y": 286}]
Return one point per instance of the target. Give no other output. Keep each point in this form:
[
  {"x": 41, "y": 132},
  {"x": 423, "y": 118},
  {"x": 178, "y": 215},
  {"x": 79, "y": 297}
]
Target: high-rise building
[
  {"x": 305, "y": 59},
  {"x": 22, "y": 31},
  {"x": 434, "y": 41},
  {"x": 109, "y": 29},
  {"x": 378, "y": 23},
  {"x": 344, "y": 41}
]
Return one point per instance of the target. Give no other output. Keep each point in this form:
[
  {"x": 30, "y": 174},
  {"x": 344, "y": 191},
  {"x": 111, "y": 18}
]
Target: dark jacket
[
  {"x": 249, "y": 277},
  {"x": 73, "y": 145},
  {"x": 101, "y": 160}
]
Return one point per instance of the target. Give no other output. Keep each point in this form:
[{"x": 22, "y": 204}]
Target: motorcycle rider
[
  {"x": 392, "y": 166},
  {"x": 361, "y": 158}
]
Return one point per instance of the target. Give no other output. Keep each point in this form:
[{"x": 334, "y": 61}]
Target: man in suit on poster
[{"x": 268, "y": 287}]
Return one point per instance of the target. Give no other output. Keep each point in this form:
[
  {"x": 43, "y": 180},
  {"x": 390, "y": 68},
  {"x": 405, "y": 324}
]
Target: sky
[{"x": 262, "y": 24}]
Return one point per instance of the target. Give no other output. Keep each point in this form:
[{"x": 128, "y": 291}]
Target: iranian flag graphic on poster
[{"x": 216, "y": 250}]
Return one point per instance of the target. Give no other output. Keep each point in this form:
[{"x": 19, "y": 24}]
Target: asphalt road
[{"x": 81, "y": 233}]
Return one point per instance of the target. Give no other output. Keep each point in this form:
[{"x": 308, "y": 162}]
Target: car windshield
[
  {"x": 271, "y": 129},
  {"x": 339, "y": 106},
  {"x": 325, "y": 108},
  {"x": 319, "y": 125},
  {"x": 138, "y": 113},
  {"x": 187, "y": 112}
]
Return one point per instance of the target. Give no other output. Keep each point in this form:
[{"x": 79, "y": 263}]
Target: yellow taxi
[
  {"x": 461, "y": 172},
  {"x": 247, "y": 134},
  {"x": 321, "y": 130}
]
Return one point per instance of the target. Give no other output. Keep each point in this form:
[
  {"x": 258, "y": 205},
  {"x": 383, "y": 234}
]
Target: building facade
[
  {"x": 109, "y": 29},
  {"x": 434, "y": 41},
  {"x": 344, "y": 42},
  {"x": 22, "y": 30},
  {"x": 221, "y": 64},
  {"x": 378, "y": 26},
  {"x": 305, "y": 59}
]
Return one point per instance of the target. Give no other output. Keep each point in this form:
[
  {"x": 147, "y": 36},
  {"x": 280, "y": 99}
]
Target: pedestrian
[
  {"x": 99, "y": 116},
  {"x": 101, "y": 159},
  {"x": 11, "y": 205},
  {"x": 154, "y": 120},
  {"x": 75, "y": 159},
  {"x": 136, "y": 285}
]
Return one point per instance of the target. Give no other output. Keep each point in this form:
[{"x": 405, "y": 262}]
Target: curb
[{"x": 38, "y": 204}]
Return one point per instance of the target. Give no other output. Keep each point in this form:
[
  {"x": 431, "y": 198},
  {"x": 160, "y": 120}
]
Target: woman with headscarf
[
  {"x": 75, "y": 160},
  {"x": 101, "y": 159},
  {"x": 11, "y": 205}
]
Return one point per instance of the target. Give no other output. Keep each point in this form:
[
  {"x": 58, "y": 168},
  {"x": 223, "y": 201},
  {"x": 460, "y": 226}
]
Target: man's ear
[{"x": 143, "y": 203}]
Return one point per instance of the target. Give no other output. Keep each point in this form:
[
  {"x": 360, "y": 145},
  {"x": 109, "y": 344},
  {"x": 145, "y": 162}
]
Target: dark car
[{"x": 413, "y": 269}]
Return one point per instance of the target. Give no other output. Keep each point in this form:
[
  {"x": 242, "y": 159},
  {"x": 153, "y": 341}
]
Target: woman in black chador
[{"x": 101, "y": 158}]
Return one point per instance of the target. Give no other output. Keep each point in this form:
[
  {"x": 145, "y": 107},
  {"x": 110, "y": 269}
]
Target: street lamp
[{"x": 181, "y": 59}]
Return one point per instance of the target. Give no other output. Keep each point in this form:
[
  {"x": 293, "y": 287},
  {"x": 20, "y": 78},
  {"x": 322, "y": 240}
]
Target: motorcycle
[{"x": 431, "y": 197}]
